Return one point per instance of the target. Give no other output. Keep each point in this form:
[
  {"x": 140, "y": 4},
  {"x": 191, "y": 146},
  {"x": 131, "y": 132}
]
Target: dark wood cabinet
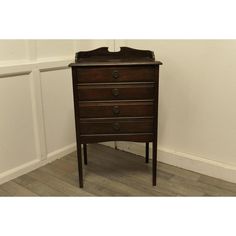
[{"x": 115, "y": 99}]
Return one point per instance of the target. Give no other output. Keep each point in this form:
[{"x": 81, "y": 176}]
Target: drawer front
[
  {"x": 115, "y": 109},
  {"x": 116, "y": 92},
  {"x": 116, "y": 126},
  {"x": 116, "y": 74}
]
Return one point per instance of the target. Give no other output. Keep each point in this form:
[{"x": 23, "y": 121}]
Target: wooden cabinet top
[{"x": 126, "y": 56}]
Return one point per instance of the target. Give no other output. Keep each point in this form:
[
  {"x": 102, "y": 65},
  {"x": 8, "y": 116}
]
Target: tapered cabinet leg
[
  {"x": 154, "y": 164},
  {"x": 80, "y": 167},
  {"x": 147, "y": 152},
  {"x": 85, "y": 154}
]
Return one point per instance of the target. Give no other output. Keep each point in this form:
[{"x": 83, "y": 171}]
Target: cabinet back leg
[{"x": 85, "y": 154}]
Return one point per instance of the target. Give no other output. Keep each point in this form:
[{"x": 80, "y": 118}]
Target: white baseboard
[
  {"x": 183, "y": 160},
  {"x": 61, "y": 152},
  {"x": 32, "y": 165},
  {"x": 19, "y": 170}
]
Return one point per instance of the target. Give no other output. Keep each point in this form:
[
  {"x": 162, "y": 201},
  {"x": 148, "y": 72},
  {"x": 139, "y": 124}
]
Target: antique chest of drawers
[{"x": 115, "y": 99}]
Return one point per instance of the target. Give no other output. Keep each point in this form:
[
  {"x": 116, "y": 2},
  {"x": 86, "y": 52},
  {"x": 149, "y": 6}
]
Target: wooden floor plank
[
  {"x": 118, "y": 172},
  {"x": 206, "y": 189},
  {"x": 178, "y": 187},
  {"x": 37, "y": 187},
  {"x": 176, "y": 171},
  {"x": 224, "y": 185},
  {"x": 94, "y": 188},
  {"x": 116, "y": 188},
  {"x": 114, "y": 173},
  {"x": 14, "y": 189},
  {"x": 3, "y": 193},
  {"x": 59, "y": 185}
]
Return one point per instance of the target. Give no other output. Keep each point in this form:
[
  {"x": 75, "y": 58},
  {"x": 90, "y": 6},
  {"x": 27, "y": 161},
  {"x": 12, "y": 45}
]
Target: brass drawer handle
[
  {"x": 115, "y": 74},
  {"x": 116, "y": 126},
  {"x": 115, "y": 92},
  {"x": 116, "y": 110}
]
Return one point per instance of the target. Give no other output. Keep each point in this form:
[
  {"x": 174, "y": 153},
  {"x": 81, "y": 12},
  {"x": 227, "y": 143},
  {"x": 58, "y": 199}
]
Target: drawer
[
  {"x": 116, "y": 126},
  {"x": 115, "y": 109},
  {"x": 116, "y": 92},
  {"x": 116, "y": 74}
]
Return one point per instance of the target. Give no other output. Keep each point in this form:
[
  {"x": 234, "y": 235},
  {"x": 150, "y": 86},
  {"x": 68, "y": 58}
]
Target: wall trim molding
[
  {"x": 4, "y": 73},
  {"x": 54, "y": 63},
  {"x": 42, "y": 64},
  {"x": 186, "y": 161}
]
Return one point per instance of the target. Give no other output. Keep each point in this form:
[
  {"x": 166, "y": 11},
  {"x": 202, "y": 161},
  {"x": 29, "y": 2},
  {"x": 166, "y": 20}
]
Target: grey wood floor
[{"x": 114, "y": 173}]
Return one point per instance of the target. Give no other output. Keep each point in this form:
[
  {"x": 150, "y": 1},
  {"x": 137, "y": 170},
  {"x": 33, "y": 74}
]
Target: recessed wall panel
[
  {"x": 58, "y": 109},
  {"x": 17, "y": 140}
]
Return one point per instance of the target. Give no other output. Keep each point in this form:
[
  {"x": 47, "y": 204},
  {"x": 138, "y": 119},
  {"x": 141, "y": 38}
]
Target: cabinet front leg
[
  {"x": 85, "y": 154},
  {"x": 80, "y": 167},
  {"x": 154, "y": 163}
]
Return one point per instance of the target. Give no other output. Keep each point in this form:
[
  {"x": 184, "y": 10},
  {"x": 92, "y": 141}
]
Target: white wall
[
  {"x": 13, "y": 50},
  {"x": 36, "y": 106},
  {"x": 197, "y": 126},
  {"x": 197, "y": 115}
]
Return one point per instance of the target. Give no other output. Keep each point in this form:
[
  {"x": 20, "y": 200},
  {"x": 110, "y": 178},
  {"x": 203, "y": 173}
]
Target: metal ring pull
[
  {"x": 115, "y": 92},
  {"x": 115, "y": 74},
  {"x": 116, "y": 110},
  {"x": 116, "y": 126}
]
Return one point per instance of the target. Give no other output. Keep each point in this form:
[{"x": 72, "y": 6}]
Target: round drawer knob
[
  {"x": 116, "y": 110},
  {"x": 115, "y": 74},
  {"x": 116, "y": 126},
  {"x": 115, "y": 92}
]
